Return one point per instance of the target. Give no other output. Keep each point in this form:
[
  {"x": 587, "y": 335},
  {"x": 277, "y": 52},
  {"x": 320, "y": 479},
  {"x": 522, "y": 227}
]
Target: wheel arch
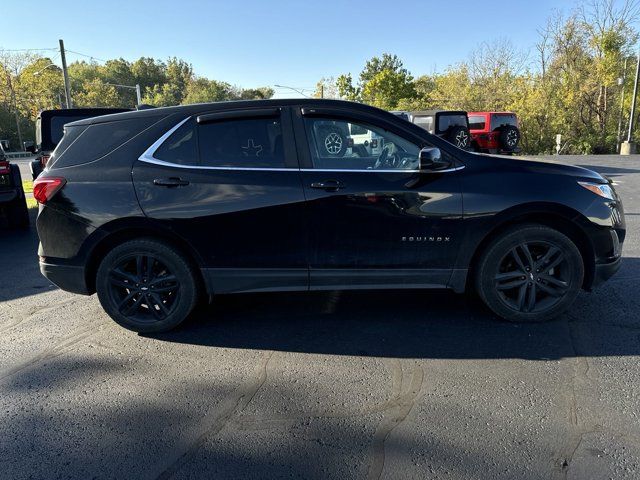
[
  {"x": 557, "y": 216},
  {"x": 119, "y": 231}
]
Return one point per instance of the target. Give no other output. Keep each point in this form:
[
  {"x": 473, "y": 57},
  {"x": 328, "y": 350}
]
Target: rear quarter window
[{"x": 96, "y": 141}]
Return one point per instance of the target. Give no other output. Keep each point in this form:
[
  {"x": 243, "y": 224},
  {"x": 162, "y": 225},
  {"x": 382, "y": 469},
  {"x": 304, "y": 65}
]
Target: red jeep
[{"x": 494, "y": 132}]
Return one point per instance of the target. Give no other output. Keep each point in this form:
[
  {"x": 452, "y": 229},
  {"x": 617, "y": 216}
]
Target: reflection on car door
[{"x": 375, "y": 225}]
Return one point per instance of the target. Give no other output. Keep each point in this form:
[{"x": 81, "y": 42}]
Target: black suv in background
[
  {"x": 452, "y": 125},
  {"x": 13, "y": 203},
  {"x": 156, "y": 208},
  {"x": 50, "y": 128}
]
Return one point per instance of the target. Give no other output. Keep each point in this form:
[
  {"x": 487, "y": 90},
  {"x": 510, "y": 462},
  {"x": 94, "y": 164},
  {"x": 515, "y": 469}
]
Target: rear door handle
[
  {"x": 170, "y": 182},
  {"x": 328, "y": 185}
]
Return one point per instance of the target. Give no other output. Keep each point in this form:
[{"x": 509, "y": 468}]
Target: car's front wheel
[
  {"x": 146, "y": 286},
  {"x": 530, "y": 273}
]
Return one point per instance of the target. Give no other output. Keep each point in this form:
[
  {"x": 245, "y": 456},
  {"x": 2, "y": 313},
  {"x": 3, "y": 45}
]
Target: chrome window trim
[{"x": 148, "y": 157}]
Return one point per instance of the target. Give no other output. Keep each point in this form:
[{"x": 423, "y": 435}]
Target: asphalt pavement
[{"x": 339, "y": 385}]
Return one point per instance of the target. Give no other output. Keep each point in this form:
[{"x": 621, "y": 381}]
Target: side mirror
[{"x": 431, "y": 160}]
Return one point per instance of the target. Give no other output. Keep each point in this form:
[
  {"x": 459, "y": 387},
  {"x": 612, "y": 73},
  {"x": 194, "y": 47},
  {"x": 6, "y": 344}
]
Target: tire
[
  {"x": 146, "y": 286},
  {"x": 459, "y": 136},
  {"x": 509, "y": 138},
  {"x": 17, "y": 211},
  {"x": 333, "y": 140},
  {"x": 551, "y": 275}
]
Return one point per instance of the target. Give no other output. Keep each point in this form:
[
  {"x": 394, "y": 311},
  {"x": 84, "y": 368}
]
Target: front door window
[{"x": 346, "y": 145}]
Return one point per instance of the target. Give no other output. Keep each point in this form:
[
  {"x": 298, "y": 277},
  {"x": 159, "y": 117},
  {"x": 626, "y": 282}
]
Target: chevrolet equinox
[{"x": 157, "y": 208}]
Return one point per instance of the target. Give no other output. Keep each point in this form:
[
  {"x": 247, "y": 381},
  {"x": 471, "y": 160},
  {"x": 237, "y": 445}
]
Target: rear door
[
  {"x": 374, "y": 218},
  {"x": 229, "y": 184}
]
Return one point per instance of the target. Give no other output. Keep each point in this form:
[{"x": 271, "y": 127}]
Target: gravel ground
[{"x": 323, "y": 385}]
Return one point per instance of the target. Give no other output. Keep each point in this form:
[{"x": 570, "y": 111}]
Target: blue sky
[{"x": 254, "y": 43}]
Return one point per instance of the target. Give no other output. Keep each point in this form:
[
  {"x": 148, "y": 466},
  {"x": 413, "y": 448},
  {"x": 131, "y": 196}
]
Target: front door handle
[
  {"x": 170, "y": 182},
  {"x": 328, "y": 185}
]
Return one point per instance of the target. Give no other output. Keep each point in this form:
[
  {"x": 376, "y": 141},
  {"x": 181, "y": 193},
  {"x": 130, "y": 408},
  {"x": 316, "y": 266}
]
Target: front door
[
  {"x": 229, "y": 184},
  {"x": 375, "y": 220}
]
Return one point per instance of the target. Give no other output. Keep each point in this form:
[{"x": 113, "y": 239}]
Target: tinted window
[
  {"x": 248, "y": 143},
  {"x": 181, "y": 147},
  {"x": 96, "y": 141},
  {"x": 447, "y": 121},
  {"x": 498, "y": 121},
  {"x": 334, "y": 145},
  {"x": 70, "y": 136},
  {"x": 476, "y": 122},
  {"x": 424, "y": 122}
]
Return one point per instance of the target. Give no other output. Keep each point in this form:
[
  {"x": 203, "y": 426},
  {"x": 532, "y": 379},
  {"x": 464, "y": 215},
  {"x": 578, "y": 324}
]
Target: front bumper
[
  {"x": 605, "y": 271},
  {"x": 70, "y": 278}
]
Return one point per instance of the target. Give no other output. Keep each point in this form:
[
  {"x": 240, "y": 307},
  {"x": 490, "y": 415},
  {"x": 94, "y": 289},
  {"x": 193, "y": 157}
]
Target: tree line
[
  {"x": 30, "y": 83},
  {"x": 576, "y": 81},
  {"x": 570, "y": 83}
]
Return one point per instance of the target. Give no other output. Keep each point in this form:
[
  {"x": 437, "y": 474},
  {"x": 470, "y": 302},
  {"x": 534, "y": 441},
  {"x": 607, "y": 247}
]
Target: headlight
[{"x": 601, "y": 189}]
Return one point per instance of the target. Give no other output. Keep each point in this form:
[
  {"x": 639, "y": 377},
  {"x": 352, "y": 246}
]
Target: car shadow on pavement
[{"x": 417, "y": 324}]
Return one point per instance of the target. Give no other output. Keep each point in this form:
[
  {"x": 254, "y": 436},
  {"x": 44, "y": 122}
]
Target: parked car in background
[
  {"x": 50, "y": 128},
  {"x": 156, "y": 208},
  {"x": 13, "y": 203},
  {"x": 494, "y": 132},
  {"x": 452, "y": 125}
]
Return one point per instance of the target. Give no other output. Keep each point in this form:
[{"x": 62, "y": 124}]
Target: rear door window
[
  {"x": 181, "y": 147},
  {"x": 447, "y": 121},
  {"x": 498, "y": 121},
  {"x": 242, "y": 143}
]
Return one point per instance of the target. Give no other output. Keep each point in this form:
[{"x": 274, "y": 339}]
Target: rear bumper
[
  {"x": 70, "y": 278},
  {"x": 7, "y": 196},
  {"x": 605, "y": 271}
]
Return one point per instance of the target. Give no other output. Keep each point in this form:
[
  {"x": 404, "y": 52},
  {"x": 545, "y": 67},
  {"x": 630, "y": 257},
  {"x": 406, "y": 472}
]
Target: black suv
[
  {"x": 157, "y": 208},
  {"x": 452, "y": 125},
  {"x": 50, "y": 128},
  {"x": 13, "y": 203}
]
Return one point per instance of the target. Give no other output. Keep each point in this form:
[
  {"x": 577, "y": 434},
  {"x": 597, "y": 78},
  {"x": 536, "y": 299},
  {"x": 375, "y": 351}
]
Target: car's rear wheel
[
  {"x": 531, "y": 273},
  {"x": 146, "y": 286}
]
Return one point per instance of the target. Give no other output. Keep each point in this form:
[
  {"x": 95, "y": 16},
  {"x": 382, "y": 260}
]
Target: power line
[
  {"x": 26, "y": 49},
  {"x": 85, "y": 55}
]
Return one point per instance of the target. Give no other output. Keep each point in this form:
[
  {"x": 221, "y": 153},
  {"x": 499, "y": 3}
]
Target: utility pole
[
  {"x": 624, "y": 78},
  {"x": 629, "y": 147},
  {"x": 65, "y": 73},
  {"x": 15, "y": 108},
  {"x": 322, "y": 90},
  {"x": 138, "y": 94}
]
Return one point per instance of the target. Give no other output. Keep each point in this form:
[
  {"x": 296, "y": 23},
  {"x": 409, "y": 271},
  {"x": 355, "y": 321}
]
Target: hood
[{"x": 542, "y": 165}]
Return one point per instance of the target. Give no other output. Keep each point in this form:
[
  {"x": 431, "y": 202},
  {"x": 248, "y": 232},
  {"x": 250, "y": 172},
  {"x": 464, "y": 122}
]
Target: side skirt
[{"x": 238, "y": 280}]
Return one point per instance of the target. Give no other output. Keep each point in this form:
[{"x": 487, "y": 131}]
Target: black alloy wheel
[
  {"x": 531, "y": 273},
  {"x": 146, "y": 286}
]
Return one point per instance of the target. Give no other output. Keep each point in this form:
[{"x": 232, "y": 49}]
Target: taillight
[
  {"x": 45, "y": 188},
  {"x": 4, "y": 168},
  {"x": 44, "y": 159}
]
